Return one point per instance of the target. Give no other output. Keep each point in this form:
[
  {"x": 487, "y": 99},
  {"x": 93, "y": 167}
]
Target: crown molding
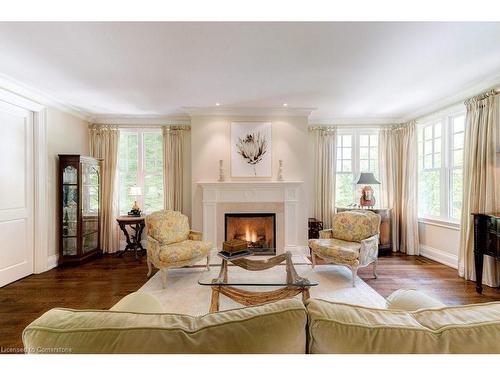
[
  {"x": 142, "y": 120},
  {"x": 249, "y": 111},
  {"x": 472, "y": 89},
  {"x": 37, "y": 96},
  {"x": 353, "y": 122}
]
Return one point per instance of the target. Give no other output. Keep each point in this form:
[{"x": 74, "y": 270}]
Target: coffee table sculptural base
[{"x": 294, "y": 284}]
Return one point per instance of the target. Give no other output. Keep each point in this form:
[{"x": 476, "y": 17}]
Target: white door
[{"x": 16, "y": 193}]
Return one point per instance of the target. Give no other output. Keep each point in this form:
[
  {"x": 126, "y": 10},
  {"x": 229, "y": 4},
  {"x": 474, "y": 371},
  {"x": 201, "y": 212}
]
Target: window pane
[
  {"x": 437, "y": 130},
  {"x": 458, "y": 124},
  {"x": 363, "y": 153},
  {"x": 428, "y": 147},
  {"x": 346, "y": 153},
  {"x": 428, "y": 193},
  {"x": 437, "y": 145},
  {"x": 344, "y": 195},
  {"x": 127, "y": 164},
  {"x": 364, "y": 140},
  {"x": 458, "y": 156},
  {"x": 456, "y": 193},
  {"x": 364, "y": 165},
  {"x": 346, "y": 165},
  {"x": 458, "y": 141},
  {"x": 428, "y": 161},
  {"x": 374, "y": 140},
  {"x": 153, "y": 152},
  {"x": 153, "y": 193},
  {"x": 428, "y": 133},
  {"x": 346, "y": 141},
  {"x": 437, "y": 160}
]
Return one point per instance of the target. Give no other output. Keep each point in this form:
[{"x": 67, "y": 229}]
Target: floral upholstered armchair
[
  {"x": 172, "y": 244},
  {"x": 352, "y": 241}
]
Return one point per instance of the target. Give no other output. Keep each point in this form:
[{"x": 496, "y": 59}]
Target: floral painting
[{"x": 251, "y": 149}]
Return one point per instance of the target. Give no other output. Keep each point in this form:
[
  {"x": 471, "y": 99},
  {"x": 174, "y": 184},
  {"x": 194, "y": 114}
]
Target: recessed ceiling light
[
  {"x": 217, "y": 104},
  {"x": 285, "y": 105}
]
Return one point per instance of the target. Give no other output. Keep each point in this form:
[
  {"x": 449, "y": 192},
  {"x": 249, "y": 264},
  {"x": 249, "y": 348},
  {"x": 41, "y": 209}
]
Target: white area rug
[{"x": 183, "y": 294}]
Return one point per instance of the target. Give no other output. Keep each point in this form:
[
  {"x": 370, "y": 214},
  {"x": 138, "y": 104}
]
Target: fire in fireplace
[{"x": 258, "y": 229}]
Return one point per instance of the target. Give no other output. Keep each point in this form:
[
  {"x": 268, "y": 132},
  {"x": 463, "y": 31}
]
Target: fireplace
[{"x": 258, "y": 229}]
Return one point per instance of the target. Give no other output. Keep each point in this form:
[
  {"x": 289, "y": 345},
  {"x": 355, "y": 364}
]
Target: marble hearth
[{"x": 279, "y": 197}]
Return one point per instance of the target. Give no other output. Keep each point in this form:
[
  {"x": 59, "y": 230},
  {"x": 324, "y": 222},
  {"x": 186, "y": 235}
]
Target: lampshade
[
  {"x": 367, "y": 179},
  {"x": 135, "y": 191}
]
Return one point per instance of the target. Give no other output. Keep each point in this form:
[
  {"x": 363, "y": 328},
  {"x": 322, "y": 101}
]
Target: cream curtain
[
  {"x": 398, "y": 173},
  {"x": 481, "y": 188},
  {"x": 325, "y": 167},
  {"x": 173, "y": 146},
  {"x": 104, "y": 145}
]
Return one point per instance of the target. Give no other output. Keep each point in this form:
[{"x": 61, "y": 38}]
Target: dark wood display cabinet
[{"x": 79, "y": 208}]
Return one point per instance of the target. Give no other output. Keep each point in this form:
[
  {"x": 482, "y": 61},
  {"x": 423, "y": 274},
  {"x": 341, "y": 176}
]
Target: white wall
[
  {"x": 210, "y": 142},
  {"x": 439, "y": 242},
  {"x": 66, "y": 134}
]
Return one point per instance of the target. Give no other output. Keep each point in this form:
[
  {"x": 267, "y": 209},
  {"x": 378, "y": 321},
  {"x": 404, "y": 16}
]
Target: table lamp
[
  {"x": 367, "y": 198},
  {"x": 135, "y": 191}
]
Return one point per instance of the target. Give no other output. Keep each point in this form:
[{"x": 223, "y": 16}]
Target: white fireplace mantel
[{"x": 286, "y": 192}]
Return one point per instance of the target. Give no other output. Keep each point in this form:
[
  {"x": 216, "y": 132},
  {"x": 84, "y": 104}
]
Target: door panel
[{"x": 16, "y": 193}]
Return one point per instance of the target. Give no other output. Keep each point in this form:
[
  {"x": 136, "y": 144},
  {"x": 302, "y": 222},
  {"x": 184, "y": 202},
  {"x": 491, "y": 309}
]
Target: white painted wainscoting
[{"x": 282, "y": 197}]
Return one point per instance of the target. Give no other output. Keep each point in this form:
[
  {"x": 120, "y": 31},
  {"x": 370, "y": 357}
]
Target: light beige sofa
[{"x": 137, "y": 325}]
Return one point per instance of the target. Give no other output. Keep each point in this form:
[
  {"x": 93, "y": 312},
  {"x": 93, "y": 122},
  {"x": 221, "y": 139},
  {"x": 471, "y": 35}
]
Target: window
[
  {"x": 440, "y": 175},
  {"x": 357, "y": 151},
  {"x": 140, "y": 163}
]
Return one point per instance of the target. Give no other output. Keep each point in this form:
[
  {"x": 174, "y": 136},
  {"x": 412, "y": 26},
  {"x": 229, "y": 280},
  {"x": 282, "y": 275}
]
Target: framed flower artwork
[{"x": 251, "y": 149}]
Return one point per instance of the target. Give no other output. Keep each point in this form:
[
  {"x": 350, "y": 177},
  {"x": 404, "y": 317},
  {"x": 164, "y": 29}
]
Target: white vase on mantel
[
  {"x": 280, "y": 171},
  {"x": 222, "y": 178}
]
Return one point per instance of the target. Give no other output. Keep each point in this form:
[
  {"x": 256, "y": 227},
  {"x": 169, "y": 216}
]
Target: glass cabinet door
[
  {"x": 90, "y": 207},
  {"x": 70, "y": 210}
]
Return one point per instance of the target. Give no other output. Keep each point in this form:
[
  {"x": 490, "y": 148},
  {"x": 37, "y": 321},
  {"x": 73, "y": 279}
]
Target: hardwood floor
[{"x": 102, "y": 282}]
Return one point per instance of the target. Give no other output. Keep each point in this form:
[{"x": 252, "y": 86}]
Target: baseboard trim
[
  {"x": 440, "y": 256},
  {"x": 52, "y": 261}
]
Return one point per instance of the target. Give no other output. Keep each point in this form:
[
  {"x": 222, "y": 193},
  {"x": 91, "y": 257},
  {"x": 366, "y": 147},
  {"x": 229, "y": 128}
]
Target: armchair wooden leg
[
  {"x": 208, "y": 262},
  {"x": 150, "y": 267},
  {"x": 375, "y": 268},
  {"x": 163, "y": 273},
  {"x": 313, "y": 259},
  {"x": 354, "y": 270}
]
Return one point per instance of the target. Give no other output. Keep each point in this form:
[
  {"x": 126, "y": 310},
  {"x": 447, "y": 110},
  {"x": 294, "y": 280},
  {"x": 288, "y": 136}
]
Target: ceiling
[{"x": 349, "y": 71}]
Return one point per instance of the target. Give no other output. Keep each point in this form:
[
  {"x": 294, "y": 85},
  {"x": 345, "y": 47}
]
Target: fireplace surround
[{"x": 279, "y": 197}]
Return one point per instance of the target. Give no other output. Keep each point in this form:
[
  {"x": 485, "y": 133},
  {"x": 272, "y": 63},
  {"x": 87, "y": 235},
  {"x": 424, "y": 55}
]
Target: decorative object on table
[
  {"x": 171, "y": 244},
  {"x": 385, "y": 236},
  {"x": 486, "y": 242},
  {"x": 234, "y": 255},
  {"x": 137, "y": 224},
  {"x": 234, "y": 245},
  {"x": 221, "y": 171},
  {"x": 291, "y": 285},
  {"x": 352, "y": 241},
  {"x": 280, "y": 171},
  {"x": 79, "y": 207},
  {"x": 315, "y": 226},
  {"x": 251, "y": 149},
  {"x": 367, "y": 198},
  {"x": 135, "y": 191}
]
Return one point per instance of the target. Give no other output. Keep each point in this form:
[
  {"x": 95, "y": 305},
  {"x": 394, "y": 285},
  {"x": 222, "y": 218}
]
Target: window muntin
[{"x": 140, "y": 163}]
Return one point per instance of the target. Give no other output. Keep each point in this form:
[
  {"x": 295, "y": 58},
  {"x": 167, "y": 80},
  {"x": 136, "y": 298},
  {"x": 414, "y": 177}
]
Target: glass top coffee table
[{"x": 252, "y": 272}]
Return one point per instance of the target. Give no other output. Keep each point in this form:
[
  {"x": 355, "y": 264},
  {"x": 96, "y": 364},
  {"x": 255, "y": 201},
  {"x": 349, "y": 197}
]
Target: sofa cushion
[
  {"x": 278, "y": 327},
  {"x": 355, "y": 225},
  {"x": 411, "y": 300},
  {"x": 167, "y": 226},
  {"x": 344, "y": 328},
  {"x": 139, "y": 302},
  {"x": 344, "y": 251}
]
